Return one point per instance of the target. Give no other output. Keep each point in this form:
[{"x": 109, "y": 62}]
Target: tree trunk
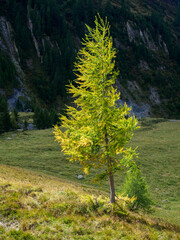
[
  {"x": 111, "y": 177},
  {"x": 112, "y": 189}
]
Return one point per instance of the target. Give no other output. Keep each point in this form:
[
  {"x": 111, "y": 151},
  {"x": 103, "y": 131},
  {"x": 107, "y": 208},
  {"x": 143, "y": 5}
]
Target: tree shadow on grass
[{"x": 150, "y": 123}]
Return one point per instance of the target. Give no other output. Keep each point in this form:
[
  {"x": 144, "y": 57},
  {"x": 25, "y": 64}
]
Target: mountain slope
[{"x": 41, "y": 38}]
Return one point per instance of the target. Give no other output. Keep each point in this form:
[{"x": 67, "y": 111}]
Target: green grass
[
  {"x": 36, "y": 207},
  {"x": 25, "y": 116},
  {"x": 159, "y": 156},
  {"x": 158, "y": 146}
]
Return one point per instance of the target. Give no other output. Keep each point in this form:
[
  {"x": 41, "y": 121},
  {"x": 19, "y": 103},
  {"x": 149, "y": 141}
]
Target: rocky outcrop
[
  {"x": 51, "y": 44},
  {"x": 154, "y": 96},
  {"x": 12, "y": 100},
  {"x": 132, "y": 33},
  {"x": 30, "y": 26},
  {"x": 8, "y": 45},
  {"x": 36, "y": 44},
  {"x": 162, "y": 44},
  {"x": 140, "y": 108},
  {"x": 18, "y": 95},
  {"x": 137, "y": 35},
  {"x": 148, "y": 41},
  {"x": 143, "y": 65}
]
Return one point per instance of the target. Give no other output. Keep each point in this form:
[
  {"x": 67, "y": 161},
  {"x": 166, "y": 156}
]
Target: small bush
[{"x": 135, "y": 185}]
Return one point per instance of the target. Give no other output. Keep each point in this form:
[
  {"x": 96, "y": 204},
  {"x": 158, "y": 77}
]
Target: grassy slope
[
  {"x": 158, "y": 155},
  {"x": 35, "y": 206}
]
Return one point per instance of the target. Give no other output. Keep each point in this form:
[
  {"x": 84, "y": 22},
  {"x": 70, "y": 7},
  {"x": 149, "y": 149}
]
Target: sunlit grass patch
[{"x": 34, "y": 209}]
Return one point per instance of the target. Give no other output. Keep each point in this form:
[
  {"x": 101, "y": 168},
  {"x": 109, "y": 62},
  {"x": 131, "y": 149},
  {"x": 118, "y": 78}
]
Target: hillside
[
  {"x": 36, "y": 206},
  {"x": 157, "y": 142},
  {"x": 39, "y": 40}
]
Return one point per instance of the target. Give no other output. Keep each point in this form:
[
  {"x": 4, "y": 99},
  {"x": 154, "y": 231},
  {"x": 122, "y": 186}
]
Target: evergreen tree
[
  {"x": 8, "y": 77},
  {"x": 13, "y": 120},
  {"x": 177, "y": 19},
  {"x": 108, "y": 10},
  {"x": 3, "y": 7},
  {"x": 90, "y": 12},
  {"x": 97, "y": 131},
  {"x": 4, "y": 115},
  {"x": 44, "y": 118},
  {"x": 135, "y": 185},
  {"x": 53, "y": 117},
  {"x": 125, "y": 9}
]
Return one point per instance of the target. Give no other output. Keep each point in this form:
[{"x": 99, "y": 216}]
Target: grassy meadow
[
  {"x": 36, "y": 206},
  {"x": 158, "y": 144}
]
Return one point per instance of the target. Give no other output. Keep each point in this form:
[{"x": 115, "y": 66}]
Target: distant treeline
[{"x": 42, "y": 119}]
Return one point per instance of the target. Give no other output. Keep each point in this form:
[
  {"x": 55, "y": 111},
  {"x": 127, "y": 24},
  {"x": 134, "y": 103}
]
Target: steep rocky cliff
[{"x": 8, "y": 45}]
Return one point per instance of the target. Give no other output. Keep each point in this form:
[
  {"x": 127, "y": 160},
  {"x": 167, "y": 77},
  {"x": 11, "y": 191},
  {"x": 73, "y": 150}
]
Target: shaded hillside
[{"x": 41, "y": 39}]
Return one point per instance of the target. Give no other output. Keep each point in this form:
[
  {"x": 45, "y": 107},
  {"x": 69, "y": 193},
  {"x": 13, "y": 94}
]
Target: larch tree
[{"x": 95, "y": 132}]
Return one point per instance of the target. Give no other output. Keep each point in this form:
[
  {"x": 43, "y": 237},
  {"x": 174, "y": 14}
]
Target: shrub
[
  {"x": 4, "y": 115},
  {"x": 44, "y": 118},
  {"x": 13, "y": 119},
  {"x": 135, "y": 185}
]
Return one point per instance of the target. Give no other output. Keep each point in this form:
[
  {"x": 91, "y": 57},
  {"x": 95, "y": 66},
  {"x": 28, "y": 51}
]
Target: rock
[
  {"x": 29, "y": 110},
  {"x": 143, "y": 65},
  {"x": 8, "y": 45},
  {"x": 9, "y": 138},
  {"x": 31, "y": 126},
  {"x": 12, "y": 100},
  {"x": 18, "y": 95},
  {"x": 140, "y": 109},
  {"x": 162, "y": 68},
  {"x": 79, "y": 176},
  {"x": 165, "y": 48},
  {"x": 149, "y": 41},
  {"x": 162, "y": 44},
  {"x": 30, "y": 26},
  {"x": 132, "y": 33},
  {"x": 29, "y": 63},
  {"x": 154, "y": 96}
]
